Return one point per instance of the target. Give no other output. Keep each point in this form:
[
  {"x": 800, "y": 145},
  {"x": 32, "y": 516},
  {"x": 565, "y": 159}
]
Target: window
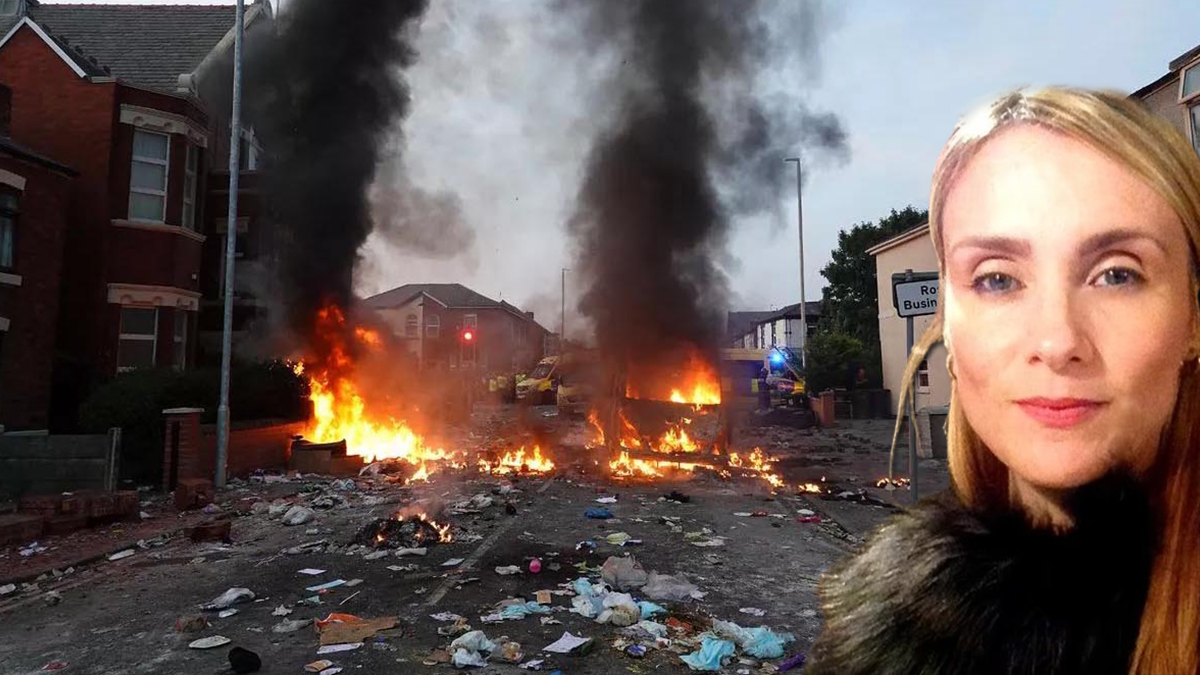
[
  {"x": 1196, "y": 127},
  {"x": 189, "y": 186},
  {"x": 9, "y": 7},
  {"x": 237, "y": 255},
  {"x": 1190, "y": 82},
  {"x": 8, "y": 229},
  {"x": 923, "y": 376},
  {"x": 148, "y": 176},
  {"x": 433, "y": 326},
  {"x": 181, "y": 331},
  {"x": 411, "y": 329},
  {"x": 470, "y": 321},
  {"x": 139, "y": 332}
]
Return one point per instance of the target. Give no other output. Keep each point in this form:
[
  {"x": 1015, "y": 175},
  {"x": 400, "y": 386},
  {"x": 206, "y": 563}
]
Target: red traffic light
[{"x": 468, "y": 335}]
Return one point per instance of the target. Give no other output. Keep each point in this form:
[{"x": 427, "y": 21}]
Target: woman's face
[{"x": 1068, "y": 307}]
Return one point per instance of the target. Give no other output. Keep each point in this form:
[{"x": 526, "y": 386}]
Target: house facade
[
  {"x": 774, "y": 328},
  {"x": 911, "y": 250},
  {"x": 431, "y": 321},
  {"x": 1176, "y": 95},
  {"x": 111, "y": 91}
]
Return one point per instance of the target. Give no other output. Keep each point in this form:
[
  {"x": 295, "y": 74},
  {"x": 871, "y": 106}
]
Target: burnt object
[
  {"x": 411, "y": 532},
  {"x": 244, "y": 661},
  {"x": 335, "y": 448}
]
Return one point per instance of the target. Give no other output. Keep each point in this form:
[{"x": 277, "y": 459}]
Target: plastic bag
[
  {"x": 760, "y": 642},
  {"x": 712, "y": 651},
  {"x": 623, "y": 573},
  {"x": 666, "y": 587},
  {"x": 619, "y": 610}
]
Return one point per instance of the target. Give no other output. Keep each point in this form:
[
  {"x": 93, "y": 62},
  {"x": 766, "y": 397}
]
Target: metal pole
[
  {"x": 562, "y": 321},
  {"x": 912, "y": 421},
  {"x": 800, "y": 224},
  {"x": 235, "y": 160}
]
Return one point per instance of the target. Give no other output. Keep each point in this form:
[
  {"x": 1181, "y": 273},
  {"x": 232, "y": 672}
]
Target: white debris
[{"x": 298, "y": 515}]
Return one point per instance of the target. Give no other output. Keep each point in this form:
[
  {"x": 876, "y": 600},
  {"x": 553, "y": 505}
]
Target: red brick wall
[
  {"x": 58, "y": 114},
  {"x": 255, "y": 447},
  {"x": 27, "y": 351}
]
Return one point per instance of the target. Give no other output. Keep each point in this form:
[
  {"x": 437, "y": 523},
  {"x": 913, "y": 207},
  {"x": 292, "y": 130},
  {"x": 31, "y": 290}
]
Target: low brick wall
[
  {"x": 264, "y": 444},
  {"x": 41, "y": 463}
]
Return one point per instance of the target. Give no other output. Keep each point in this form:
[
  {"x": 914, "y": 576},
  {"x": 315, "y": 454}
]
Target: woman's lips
[{"x": 1060, "y": 413}]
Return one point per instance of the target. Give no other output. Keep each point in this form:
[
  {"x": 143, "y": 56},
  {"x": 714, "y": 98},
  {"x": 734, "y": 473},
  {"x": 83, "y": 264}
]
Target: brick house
[
  {"x": 33, "y": 228},
  {"x": 1176, "y": 95},
  {"x": 430, "y": 319},
  {"x": 112, "y": 92}
]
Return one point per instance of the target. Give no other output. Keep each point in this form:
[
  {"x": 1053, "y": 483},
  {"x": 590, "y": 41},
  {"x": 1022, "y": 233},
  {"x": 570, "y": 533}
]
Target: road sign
[{"x": 915, "y": 294}]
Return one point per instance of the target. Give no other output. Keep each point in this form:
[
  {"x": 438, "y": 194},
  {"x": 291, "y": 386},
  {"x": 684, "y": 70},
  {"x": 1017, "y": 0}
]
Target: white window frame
[
  {"x": 180, "y": 341},
  {"x": 166, "y": 164},
  {"x": 923, "y": 377},
  {"x": 138, "y": 337},
  {"x": 1194, "y": 66},
  {"x": 191, "y": 171},
  {"x": 470, "y": 321},
  {"x": 433, "y": 326}
]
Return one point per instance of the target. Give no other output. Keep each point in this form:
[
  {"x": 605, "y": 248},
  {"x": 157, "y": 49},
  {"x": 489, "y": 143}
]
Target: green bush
[
  {"x": 135, "y": 400},
  {"x": 833, "y": 358}
]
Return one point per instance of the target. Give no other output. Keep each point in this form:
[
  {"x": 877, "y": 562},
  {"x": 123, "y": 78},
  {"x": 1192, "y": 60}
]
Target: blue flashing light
[{"x": 776, "y": 357}]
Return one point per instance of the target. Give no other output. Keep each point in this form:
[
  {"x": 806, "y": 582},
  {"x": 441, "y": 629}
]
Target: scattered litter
[
  {"x": 401, "y": 552},
  {"x": 298, "y": 515},
  {"x": 229, "y": 598},
  {"x": 32, "y": 549},
  {"x": 310, "y": 571},
  {"x": 510, "y": 652},
  {"x": 467, "y": 649},
  {"x": 623, "y": 573},
  {"x": 325, "y": 586},
  {"x": 446, "y": 616},
  {"x": 55, "y": 665},
  {"x": 353, "y": 582},
  {"x": 535, "y": 566},
  {"x": 244, "y": 660},
  {"x": 337, "y": 629},
  {"x": 635, "y": 651},
  {"x": 7, "y": 589},
  {"x": 543, "y": 598},
  {"x": 52, "y": 598},
  {"x": 791, "y": 663},
  {"x": 310, "y": 601},
  {"x": 453, "y": 562},
  {"x": 806, "y": 512},
  {"x": 666, "y": 587},
  {"x": 606, "y": 500},
  {"x": 809, "y": 519},
  {"x": 349, "y": 598},
  {"x": 211, "y": 509},
  {"x": 598, "y": 513},
  {"x": 550, "y": 621},
  {"x": 649, "y": 609},
  {"x": 535, "y": 664},
  {"x": 508, "y": 570},
  {"x": 404, "y": 568},
  {"x": 619, "y": 610},
  {"x": 226, "y": 613},
  {"x": 343, "y": 484},
  {"x": 333, "y": 649},
  {"x": 210, "y": 642},
  {"x": 677, "y": 496},
  {"x": 760, "y": 642},
  {"x": 121, "y": 555},
  {"x": 522, "y": 610},
  {"x": 318, "y": 666},
  {"x": 290, "y": 625},
  {"x": 589, "y": 545},
  {"x": 753, "y": 611},
  {"x": 331, "y": 671},
  {"x": 568, "y": 644},
  {"x": 712, "y": 652},
  {"x": 375, "y": 555}
]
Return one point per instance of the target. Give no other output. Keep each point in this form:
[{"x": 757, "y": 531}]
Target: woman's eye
[
  {"x": 996, "y": 282},
  {"x": 1119, "y": 276}
]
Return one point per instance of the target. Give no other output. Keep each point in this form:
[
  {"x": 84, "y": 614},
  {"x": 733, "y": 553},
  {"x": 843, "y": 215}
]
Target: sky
[{"x": 503, "y": 111}]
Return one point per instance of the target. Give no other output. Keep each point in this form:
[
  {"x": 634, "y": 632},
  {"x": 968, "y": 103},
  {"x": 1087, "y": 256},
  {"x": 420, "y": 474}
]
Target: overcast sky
[{"x": 500, "y": 118}]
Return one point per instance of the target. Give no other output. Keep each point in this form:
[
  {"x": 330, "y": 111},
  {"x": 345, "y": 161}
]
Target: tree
[
  {"x": 850, "y": 302},
  {"x": 833, "y": 359}
]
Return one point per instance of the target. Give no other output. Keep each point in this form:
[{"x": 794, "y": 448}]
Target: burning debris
[
  {"x": 414, "y": 531},
  {"x": 518, "y": 462}
]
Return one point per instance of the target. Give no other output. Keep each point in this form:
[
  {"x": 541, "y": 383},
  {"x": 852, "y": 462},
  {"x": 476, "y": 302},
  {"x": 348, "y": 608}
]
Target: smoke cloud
[
  {"x": 324, "y": 95},
  {"x": 651, "y": 227}
]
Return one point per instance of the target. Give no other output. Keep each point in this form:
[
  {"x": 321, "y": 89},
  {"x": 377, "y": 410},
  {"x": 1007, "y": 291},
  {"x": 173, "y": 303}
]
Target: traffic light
[{"x": 467, "y": 335}]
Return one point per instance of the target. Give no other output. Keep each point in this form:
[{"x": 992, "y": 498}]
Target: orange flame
[
  {"x": 518, "y": 462},
  {"x": 444, "y": 534},
  {"x": 699, "y": 385},
  {"x": 340, "y": 412}
]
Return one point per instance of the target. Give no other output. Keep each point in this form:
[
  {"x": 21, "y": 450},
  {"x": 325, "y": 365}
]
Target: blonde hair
[{"x": 1148, "y": 146}]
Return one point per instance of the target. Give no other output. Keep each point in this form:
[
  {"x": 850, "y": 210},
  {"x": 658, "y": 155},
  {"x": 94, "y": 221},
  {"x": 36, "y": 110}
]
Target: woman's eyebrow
[
  {"x": 998, "y": 244},
  {"x": 1109, "y": 238}
]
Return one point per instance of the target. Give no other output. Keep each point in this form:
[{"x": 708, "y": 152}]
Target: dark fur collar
[{"x": 941, "y": 589}]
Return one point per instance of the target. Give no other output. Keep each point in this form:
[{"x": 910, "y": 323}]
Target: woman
[{"x": 1066, "y": 225}]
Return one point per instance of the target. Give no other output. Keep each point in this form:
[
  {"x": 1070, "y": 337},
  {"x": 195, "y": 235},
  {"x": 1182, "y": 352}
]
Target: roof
[
  {"x": 1172, "y": 72},
  {"x": 450, "y": 295},
  {"x": 10, "y": 147},
  {"x": 902, "y": 238},
  {"x": 811, "y": 308},
  {"x": 144, "y": 45},
  {"x": 738, "y": 324}
]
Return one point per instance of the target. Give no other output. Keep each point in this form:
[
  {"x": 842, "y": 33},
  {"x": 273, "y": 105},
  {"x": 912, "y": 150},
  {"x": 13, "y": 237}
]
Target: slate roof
[
  {"x": 738, "y": 324},
  {"x": 144, "y": 45},
  {"x": 451, "y": 295}
]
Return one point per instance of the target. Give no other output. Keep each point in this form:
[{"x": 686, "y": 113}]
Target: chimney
[
  {"x": 5, "y": 111},
  {"x": 529, "y": 315}
]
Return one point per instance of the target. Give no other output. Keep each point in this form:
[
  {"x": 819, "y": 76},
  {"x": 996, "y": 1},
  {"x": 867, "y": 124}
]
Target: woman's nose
[{"x": 1058, "y": 331}]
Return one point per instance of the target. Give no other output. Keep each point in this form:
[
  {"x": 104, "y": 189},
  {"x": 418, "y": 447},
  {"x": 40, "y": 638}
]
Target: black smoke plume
[
  {"x": 651, "y": 227},
  {"x": 323, "y": 94}
]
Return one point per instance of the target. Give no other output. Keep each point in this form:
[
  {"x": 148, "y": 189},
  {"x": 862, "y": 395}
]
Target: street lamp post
[
  {"x": 235, "y": 160},
  {"x": 562, "y": 319},
  {"x": 800, "y": 223}
]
